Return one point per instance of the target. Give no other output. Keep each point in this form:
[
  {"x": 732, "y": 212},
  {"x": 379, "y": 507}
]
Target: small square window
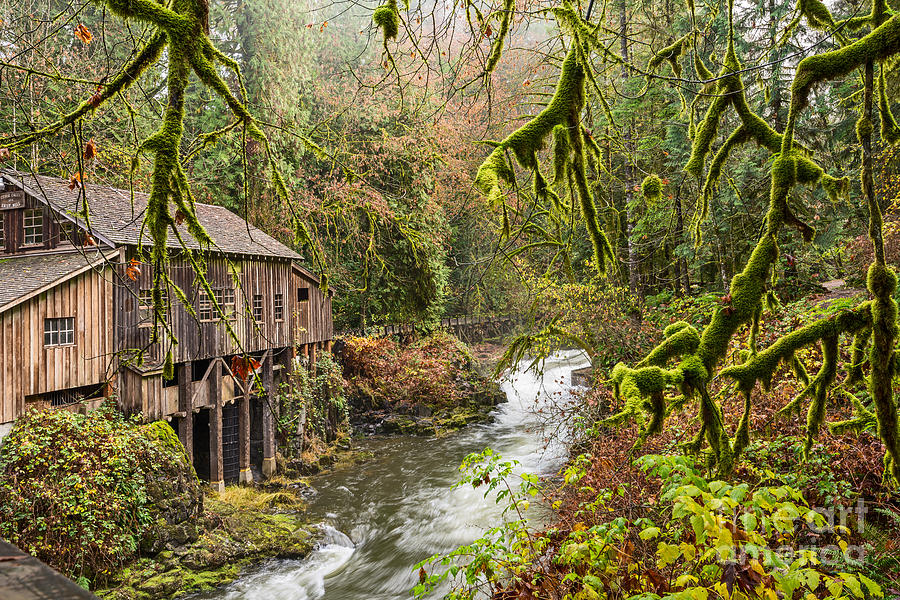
[
  {"x": 2, "y": 233},
  {"x": 67, "y": 232},
  {"x": 145, "y": 305},
  {"x": 205, "y": 307},
  {"x": 257, "y": 308},
  {"x": 278, "y": 307},
  {"x": 303, "y": 294},
  {"x": 59, "y": 331},
  {"x": 33, "y": 225}
]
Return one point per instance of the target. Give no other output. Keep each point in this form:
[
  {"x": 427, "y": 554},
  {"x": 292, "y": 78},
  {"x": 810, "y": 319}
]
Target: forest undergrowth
[{"x": 651, "y": 520}]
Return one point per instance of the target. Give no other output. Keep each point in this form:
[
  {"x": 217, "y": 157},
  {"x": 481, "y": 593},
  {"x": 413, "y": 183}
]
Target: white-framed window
[
  {"x": 258, "y": 308},
  {"x": 205, "y": 310},
  {"x": 59, "y": 331},
  {"x": 278, "y": 307},
  {"x": 2, "y": 233},
  {"x": 33, "y": 224}
]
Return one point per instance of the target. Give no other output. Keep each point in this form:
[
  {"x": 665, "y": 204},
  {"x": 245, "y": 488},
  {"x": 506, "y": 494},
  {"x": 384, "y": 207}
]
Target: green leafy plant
[{"x": 75, "y": 490}]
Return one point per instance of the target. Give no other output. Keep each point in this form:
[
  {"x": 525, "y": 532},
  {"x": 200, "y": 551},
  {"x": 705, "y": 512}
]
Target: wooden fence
[{"x": 467, "y": 328}]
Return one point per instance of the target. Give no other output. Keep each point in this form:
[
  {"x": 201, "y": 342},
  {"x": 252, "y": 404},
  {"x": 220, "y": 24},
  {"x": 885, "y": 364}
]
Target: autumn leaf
[
  {"x": 179, "y": 217},
  {"x": 95, "y": 100},
  {"x": 242, "y": 367},
  {"x": 422, "y": 575},
  {"x": 75, "y": 181},
  {"x": 89, "y": 240},
  {"x": 133, "y": 271},
  {"x": 4, "y": 153},
  {"x": 90, "y": 150},
  {"x": 83, "y": 34}
]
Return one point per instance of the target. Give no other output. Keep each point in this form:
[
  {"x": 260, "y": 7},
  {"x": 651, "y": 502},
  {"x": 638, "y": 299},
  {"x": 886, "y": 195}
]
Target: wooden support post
[
  {"x": 268, "y": 417},
  {"x": 313, "y": 357},
  {"x": 216, "y": 470},
  {"x": 244, "y": 476},
  {"x": 186, "y": 408}
]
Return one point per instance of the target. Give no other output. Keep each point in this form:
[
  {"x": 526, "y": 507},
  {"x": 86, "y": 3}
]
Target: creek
[{"x": 382, "y": 517}]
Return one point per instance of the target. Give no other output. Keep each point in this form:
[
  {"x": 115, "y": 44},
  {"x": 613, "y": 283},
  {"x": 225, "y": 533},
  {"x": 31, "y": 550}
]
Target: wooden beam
[
  {"x": 197, "y": 388},
  {"x": 185, "y": 406},
  {"x": 268, "y": 416},
  {"x": 216, "y": 469},
  {"x": 244, "y": 476}
]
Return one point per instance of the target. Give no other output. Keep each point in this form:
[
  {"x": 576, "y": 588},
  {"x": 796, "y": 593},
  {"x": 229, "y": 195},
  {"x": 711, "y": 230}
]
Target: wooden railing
[{"x": 466, "y": 327}]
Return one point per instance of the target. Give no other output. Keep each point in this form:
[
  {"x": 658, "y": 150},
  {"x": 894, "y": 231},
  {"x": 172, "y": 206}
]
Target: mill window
[
  {"x": 34, "y": 226},
  {"x": 2, "y": 234},
  {"x": 278, "y": 307},
  {"x": 228, "y": 303},
  {"x": 59, "y": 331},
  {"x": 66, "y": 232},
  {"x": 145, "y": 305},
  {"x": 303, "y": 294},
  {"x": 257, "y": 308},
  {"x": 205, "y": 307}
]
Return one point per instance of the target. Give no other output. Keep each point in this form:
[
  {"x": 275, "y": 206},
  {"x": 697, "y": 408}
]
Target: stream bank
[{"x": 381, "y": 517}]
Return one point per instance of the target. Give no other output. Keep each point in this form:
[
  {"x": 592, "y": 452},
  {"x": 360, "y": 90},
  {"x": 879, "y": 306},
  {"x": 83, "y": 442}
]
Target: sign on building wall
[{"x": 11, "y": 200}]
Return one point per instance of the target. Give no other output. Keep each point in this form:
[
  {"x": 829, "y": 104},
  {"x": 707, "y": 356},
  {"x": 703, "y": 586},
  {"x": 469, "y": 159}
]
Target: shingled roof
[
  {"x": 116, "y": 220},
  {"x": 26, "y": 274}
]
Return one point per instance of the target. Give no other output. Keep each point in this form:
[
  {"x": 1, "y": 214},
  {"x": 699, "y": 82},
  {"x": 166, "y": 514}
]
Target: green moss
[
  {"x": 163, "y": 433},
  {"x": 675, "y": 327},
  {"x": 706, "y": 132},
  {"x": 506, "y": 16},
  {"x": 671, "y": 53},
  {"x": 564, "y": 109},
  {"x": 890, "y": 131},
  {"x": 879, "y": 44},
  {"x": 864, "y": 128},
  {"x": 679, "y": 342},
  {"x": 562, "y": 149},
  {"x": 881, "y": 281},
  {"x": 651, "y": 188},
  {"x": 816, "y": 414},
  {"x": 761, "y": 367},
  {"x": 387, "y": 18}
]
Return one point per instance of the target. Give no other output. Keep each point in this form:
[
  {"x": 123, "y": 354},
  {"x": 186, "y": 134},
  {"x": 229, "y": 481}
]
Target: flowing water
[{"x": 382, "y": 517}]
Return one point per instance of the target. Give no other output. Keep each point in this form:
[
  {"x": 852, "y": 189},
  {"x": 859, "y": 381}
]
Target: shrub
[
  {"x": 382, "y": 374},
  {"x": 318, "y": 401},
  {"x": 74, "y": 489}
]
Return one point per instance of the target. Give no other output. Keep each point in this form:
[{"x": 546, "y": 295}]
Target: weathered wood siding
[
  {"x": 312, "y": 318},
  {"x": 201, "y": 340},
  {"x": 28, "y": 368},
  {"x": 144, "y": 393}
]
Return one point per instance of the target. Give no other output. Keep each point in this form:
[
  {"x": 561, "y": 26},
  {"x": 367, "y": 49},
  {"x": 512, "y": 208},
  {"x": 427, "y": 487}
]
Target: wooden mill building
[{"x": 76, "y": 320}]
